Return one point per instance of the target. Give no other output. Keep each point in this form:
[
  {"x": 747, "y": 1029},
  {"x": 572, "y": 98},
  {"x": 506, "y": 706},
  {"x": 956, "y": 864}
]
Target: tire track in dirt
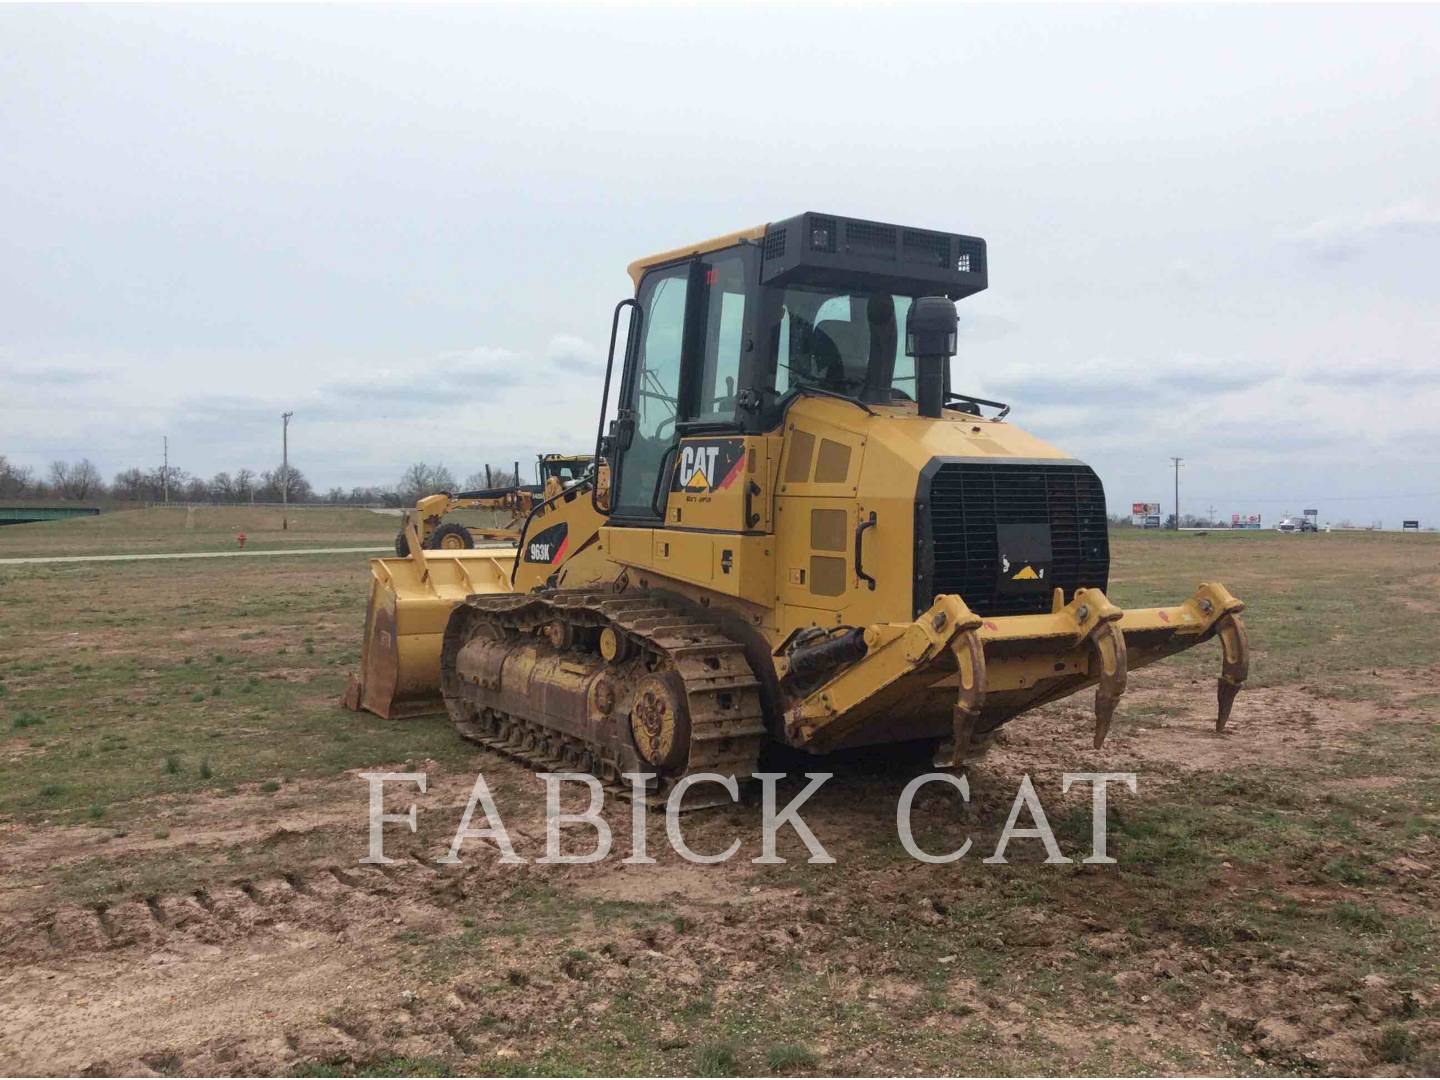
[
  {"x": 167, "y": 970},
  {"x": 327, "y": 897}
]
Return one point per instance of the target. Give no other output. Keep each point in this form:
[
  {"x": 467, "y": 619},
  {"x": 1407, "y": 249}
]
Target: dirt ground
[{"x": 182, "y": 819}]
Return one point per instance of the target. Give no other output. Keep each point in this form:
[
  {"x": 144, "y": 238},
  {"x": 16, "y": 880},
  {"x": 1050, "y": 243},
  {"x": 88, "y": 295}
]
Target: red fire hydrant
[{"x": 241, "y": 538}]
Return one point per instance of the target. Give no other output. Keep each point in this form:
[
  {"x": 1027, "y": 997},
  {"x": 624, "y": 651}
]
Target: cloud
[
  {"x": 58, "y": 375},
  {"x": 1343, "y": 237},
  {"x": 1375, "y": 374},
  {"x": 1112, "y": 380},
  {"x": 448, "y": 378},
  {"x": 571, "y": 353},
  {"x": 226, "y": 409},
  {"x": 985, "y": 327}
]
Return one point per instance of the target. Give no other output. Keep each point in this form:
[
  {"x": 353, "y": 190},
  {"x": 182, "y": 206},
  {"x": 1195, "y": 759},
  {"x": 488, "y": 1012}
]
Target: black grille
[
  {"x": 822, "y": 234},
  {"x": 931, "y": 248},
  {"x": 970, "y": 256},
  {"x": 877, "y": 240},
  {"x": 960, "y": 507},
  {"x": 775, "y": 244}
]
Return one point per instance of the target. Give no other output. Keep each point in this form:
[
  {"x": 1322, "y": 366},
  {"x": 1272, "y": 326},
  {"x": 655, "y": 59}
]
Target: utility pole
[
  {"x": 1176, "y": 462},
  {"x": 165, "y": 472},
  {"x": 285, "y": 470}
]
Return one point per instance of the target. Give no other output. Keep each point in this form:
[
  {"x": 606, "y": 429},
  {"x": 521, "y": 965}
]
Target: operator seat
[{"x": 841, "y": 349}]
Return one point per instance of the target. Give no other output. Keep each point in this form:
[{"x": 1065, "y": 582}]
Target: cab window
[
  {"x": 654, "y": 388},
  {"x": 724, "y": 281},
  {"x": 848, "y": 342}
]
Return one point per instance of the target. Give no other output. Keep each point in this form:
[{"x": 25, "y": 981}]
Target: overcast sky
[{"x": 1214, "y": 232}]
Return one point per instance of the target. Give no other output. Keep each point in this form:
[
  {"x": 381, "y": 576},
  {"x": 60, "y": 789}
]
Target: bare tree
[
  {"x": 15, "y": 479},
  {"x": 421, "y": 479},
  {"x": 78, "y": 481},
  {"x": 498, "y": 476},
  {"x": 82, "y": 480},
  {"x": 244, "y": 486},
  {"x": 298, "y": 487},
  {"x": 85, "y": 480},
  {"x": 59, "y": 475},
  {"x": 130, "y": 484},
  {"x": 222, "y": 488}
]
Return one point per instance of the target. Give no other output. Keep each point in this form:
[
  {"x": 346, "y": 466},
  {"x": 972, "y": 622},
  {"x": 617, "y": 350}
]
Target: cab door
[
  {"x": 680, "y": 449},
  {"x": 650, "y": 396}
]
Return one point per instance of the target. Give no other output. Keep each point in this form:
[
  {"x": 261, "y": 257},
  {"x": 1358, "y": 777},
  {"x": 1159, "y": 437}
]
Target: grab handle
[
  {"x": 868, "y": 523},
  {"x": 751, "y": 490}
]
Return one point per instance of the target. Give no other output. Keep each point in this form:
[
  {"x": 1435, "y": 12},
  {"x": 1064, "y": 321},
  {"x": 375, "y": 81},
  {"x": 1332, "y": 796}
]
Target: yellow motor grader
[
  {"x": 553, "y": 472},
  {"x": 804, "y": 535}
]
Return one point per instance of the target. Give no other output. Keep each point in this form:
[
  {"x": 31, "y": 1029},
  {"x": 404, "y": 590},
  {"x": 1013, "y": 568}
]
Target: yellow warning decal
[
  {"x": 1027, "y": 574},
  {"x": 698, "y": 479}
]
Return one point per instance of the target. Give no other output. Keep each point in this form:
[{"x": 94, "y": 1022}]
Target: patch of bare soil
[
  {"x": 207, "y": 826},
  {"x": 213, "y": 981},
  {"x": 326, "y": 960},
  {"x": 1169, "y": 720}
]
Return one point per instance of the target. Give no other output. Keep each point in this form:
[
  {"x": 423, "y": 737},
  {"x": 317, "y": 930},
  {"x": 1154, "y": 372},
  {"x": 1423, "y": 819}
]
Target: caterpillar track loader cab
[{"x": 808, "y": 535}]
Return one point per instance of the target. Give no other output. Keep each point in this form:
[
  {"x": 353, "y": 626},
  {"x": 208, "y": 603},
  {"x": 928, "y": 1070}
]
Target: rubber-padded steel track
[{"x": 535, "y": 686}]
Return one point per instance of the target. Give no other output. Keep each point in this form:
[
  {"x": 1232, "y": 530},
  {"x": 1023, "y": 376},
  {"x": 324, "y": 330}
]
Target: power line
[
  {"x": 1176, "y": 462},
  {"x": 285, "y": 469}
]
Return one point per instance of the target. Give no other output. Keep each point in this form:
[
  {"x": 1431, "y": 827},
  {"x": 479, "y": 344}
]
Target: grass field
[
  {"x": 210, "y": 528},
  {"x": 177, "y": 787}
]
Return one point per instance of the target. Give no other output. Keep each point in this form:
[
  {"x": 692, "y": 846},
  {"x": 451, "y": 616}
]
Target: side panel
[
  {"x": 720, "y": 484},
  {"x": 738, "y": 566},
  {"x": 829, "y": 483},
  {"x": 560, "y": 538}
]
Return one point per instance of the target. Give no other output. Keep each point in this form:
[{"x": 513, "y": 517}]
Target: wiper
[
  {"x": 969, "y": 399},
  {"x": 806, "y": 390}
]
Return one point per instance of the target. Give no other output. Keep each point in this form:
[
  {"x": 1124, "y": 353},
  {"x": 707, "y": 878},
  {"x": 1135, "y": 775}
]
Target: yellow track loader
[
  {"x": 553, "y": 472},
  {"x": 804, "y": 535}
]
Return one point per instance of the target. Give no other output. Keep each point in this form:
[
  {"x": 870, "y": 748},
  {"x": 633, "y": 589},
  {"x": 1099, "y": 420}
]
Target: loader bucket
[
  {"x": 957, "y": 675},
  {"x": 410, "y": 603}
]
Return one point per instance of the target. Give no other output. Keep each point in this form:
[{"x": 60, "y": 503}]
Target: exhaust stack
[{"x": 930, "y": 331}]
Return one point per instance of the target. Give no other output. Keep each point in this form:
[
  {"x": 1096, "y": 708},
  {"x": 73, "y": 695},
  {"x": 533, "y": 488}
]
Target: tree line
[{"x": 81, "y": 481}]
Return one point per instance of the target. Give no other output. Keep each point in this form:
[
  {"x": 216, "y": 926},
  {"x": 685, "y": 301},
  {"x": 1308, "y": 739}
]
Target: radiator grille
[
  {"x": 775, "y": 244},
  {"x": 961, "y": 504}
]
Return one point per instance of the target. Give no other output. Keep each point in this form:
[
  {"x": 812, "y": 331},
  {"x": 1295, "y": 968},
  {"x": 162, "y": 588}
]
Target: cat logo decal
[{"x": 712, "y": 465}]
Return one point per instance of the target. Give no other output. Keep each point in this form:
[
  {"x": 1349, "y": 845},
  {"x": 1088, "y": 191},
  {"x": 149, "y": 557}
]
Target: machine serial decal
[{"x": 548, "y": 546}]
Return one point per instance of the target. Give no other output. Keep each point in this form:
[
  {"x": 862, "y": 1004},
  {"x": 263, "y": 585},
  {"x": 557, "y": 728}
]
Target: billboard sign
[
  {"x": 1142, "y": 514},
  {"x": 1245, "y": 521}
]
